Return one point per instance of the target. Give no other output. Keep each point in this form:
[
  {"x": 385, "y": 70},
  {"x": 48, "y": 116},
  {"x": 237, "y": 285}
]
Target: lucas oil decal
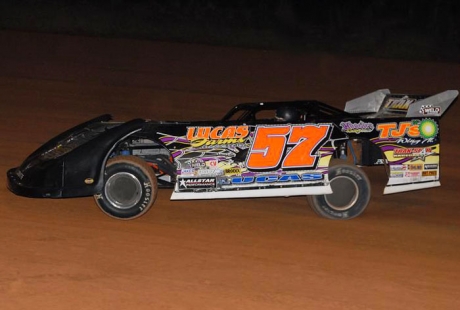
[{"x": 209, "y": 136}]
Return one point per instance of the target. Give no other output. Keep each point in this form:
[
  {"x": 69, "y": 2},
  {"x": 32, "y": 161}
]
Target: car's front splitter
[{"x": 17, "y": 187}]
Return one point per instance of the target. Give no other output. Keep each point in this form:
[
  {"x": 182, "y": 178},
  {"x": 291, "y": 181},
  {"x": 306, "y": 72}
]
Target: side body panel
[
  {"x": 406, "y": 130},
  {"x": 71, "y": 164},
  {"x": 411, "y": 151},
  {"x": 230, "y": 160}
]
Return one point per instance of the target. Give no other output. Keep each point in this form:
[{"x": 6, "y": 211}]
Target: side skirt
[
  {"x": 253, "y": 193},
  {"x": 409, "y": 187}
]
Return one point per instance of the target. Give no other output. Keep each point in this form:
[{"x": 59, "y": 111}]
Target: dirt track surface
[{"x": 402, "y": 253}]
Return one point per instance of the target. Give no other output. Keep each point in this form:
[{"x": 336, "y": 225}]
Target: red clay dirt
[{"x": 274, "y": 253}]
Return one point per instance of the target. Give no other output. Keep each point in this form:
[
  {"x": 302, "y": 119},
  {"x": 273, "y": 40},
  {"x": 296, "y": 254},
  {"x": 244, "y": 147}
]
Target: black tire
[
  {"x": 130, "y": 188},
  {"x": 351, "y": 193}
]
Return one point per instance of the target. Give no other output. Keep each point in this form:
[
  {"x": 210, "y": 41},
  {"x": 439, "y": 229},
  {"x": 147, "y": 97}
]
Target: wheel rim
[
  {"x": 123, "y": 190},
  {"x": 345, "y": 193}
]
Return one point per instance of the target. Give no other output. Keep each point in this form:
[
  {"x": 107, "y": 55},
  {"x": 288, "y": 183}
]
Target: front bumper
[{"x": 16, "y": 186}]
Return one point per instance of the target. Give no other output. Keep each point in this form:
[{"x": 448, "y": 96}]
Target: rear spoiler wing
[{"x": 383, "y": 102}]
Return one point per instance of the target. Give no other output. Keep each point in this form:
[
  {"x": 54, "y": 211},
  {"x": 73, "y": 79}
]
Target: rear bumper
[{"x": 15, "y": 185}]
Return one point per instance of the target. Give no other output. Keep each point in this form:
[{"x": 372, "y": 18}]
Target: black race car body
[{"x": 250, "y": 152}]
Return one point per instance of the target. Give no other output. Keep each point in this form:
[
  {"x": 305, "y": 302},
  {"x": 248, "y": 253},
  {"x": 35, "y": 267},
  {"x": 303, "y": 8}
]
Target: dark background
[
  {"x": 403, "y": 253},
  {"x": 421, "y": 30}
]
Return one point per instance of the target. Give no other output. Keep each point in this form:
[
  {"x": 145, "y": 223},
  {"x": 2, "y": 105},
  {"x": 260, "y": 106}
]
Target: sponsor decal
[
  {"x": 394, "y": 130},
  {"x": 196, "y": 183},
  {"x": 413, "y": 167},
  {"x": 412, "y": 174},
  {"x": 197, "y": 163},
  {"x": 410, "y": 141},
  {"x": 399, "y": 104},
  {"x": 225, "y": 181},
  {"x": 396, "y": 174},
  {"x": 426, "y": 129},
  {"x": 360, "y": 127},
  {"x": 430, "y": 173},
  {"x": 220, "y": 135},
  {"x": 398, "y": 167},
  {"x": 430, "y": 110},
  {"x": 188, "y": 171},
  {"x": 209, "y": 172},
  {"x": 416, "y": 152},
  {"x": 380, "y": 161},
  {"x": 272, "y": 178},
  {"x": 232, "y": 171},
  {"x": 430, "y": 166}
]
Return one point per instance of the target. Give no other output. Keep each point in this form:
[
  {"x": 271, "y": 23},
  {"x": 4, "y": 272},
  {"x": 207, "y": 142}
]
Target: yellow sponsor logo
[
  {"x": 415, "y": 167},
  {"x": 432, "y": 173},
  {"x": 220, "y": 135},
  {"x": 232, "y": 171}
]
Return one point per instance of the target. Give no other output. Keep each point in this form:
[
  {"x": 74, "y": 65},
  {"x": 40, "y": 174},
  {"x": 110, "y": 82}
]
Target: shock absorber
[{"x": 343, "y": 151}]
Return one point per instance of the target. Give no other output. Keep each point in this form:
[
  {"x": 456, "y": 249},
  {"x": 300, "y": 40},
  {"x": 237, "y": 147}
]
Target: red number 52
[{"x": 271, "y": 143}]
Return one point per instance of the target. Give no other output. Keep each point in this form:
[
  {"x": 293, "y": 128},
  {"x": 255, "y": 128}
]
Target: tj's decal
[
  {"x": 286, "y": 147},
  {"x": 427, "y": 129}
]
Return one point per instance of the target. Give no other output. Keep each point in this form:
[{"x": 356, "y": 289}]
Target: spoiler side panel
[
  {"x": 433, "y": 106},
  {"x": 369, "y": 103}
]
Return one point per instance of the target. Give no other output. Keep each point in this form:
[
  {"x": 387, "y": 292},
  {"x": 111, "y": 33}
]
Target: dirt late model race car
[{"x": 256, "y": 150}]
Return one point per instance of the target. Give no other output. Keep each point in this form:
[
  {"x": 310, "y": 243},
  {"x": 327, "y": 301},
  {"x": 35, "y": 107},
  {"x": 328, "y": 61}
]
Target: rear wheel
[
  {"x": 130, "y": 188},
  {"x": 351, "y": 192}
]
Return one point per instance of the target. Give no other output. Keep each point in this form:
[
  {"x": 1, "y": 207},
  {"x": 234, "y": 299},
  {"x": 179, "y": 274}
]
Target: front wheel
[
  {"x": 351, "y": 192},
  {"x": 130, "y": 188}
]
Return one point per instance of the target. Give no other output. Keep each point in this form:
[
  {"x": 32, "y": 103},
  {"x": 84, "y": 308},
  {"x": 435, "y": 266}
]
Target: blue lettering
[
  {"x": 289, "y": 177},
  {"x": 242, "y": 180},
  {"x": 267, "y": 178},
  {"x": 312, "y": 176},
  {"x": 271, "y": 178}
]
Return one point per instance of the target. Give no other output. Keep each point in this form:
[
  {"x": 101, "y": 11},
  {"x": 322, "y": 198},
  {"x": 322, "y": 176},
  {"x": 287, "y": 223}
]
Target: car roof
[{"x": 312, "y": 108}]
